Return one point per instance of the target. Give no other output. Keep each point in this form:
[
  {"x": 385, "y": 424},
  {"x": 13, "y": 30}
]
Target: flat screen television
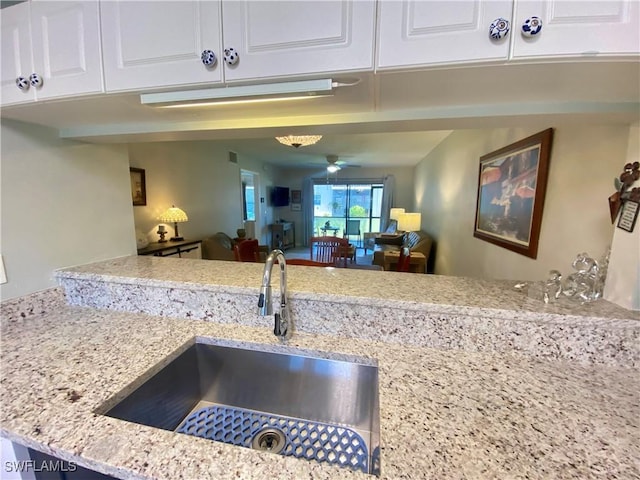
[{"x": 280, "y": 196}]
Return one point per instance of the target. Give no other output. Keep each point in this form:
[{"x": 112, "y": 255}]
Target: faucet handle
[{"x": 280, "y": 328}]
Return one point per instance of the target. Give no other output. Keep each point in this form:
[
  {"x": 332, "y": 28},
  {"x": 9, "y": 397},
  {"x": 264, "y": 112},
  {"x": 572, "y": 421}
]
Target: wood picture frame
[
  {"x": 512, "y": 183},
  {"x": 138, "y": 186}
]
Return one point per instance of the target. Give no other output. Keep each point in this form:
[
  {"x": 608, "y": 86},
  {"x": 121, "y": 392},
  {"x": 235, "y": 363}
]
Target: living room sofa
[
  {"x": 220, "y": 247},
  {"x": 419, "y": 241}
]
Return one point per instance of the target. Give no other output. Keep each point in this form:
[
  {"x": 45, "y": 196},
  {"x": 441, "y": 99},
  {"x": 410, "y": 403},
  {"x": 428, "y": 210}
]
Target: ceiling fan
[{"x": 335, "y": 164}]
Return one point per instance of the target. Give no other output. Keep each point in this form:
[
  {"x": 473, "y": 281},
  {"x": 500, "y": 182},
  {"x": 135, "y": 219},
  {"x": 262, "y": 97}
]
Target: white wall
[
  {"x": 198, "y": 178},
  {"x": 293, "y": 177},
  {"x": 584, "y": 162},
  {"x": 623, "y": 277},
  {"x": 63, "y": 203}
]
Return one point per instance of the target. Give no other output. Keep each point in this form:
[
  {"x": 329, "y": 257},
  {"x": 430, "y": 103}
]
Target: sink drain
[{"x": 269, "y": 440}]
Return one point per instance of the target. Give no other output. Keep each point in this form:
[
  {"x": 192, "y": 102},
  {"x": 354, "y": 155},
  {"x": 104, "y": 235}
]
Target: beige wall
[
  {"x": 293, "y": 179},
  {"x": 584, "y": 162},
  {"x": 198, "y": 178},
  {"x": 63, "y": 203}
]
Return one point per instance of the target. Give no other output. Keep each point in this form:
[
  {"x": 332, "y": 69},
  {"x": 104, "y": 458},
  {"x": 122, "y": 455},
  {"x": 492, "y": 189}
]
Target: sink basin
[{"x": 293, "y": 404}]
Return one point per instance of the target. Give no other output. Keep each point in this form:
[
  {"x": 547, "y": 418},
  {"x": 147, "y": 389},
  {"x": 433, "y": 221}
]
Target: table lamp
[
  {"x": 174, "y": 215},
  {"x": 409, "y": 222},
  {"x": 395, "y": 213}
]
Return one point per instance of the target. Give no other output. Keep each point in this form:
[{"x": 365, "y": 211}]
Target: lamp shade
[
  {"x": 297, "y": 141},
  {"x": 409, "y": 222},
  {"x": 394, "y": 213},
  {"x": 173, "y": 214}
]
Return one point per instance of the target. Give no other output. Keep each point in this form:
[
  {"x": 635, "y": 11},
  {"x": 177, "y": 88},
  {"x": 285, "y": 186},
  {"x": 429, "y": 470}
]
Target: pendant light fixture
[{"x": 297, "y": 141}]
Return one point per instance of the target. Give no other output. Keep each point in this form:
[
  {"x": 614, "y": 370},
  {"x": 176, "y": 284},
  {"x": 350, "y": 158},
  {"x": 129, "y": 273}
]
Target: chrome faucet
[{"x": 265, "y": 306}]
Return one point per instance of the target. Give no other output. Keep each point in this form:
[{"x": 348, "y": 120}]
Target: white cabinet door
[
  {"x": 153, "y": 44},
  {"x": 16, "y": 53},
  {"x": 66, "y": 47},
  {"x": 578, "y": 28},
  {"x": 60, "y": 41},
  {"x": 414, "y": 33},
  {"x": 283, "y": 38}
]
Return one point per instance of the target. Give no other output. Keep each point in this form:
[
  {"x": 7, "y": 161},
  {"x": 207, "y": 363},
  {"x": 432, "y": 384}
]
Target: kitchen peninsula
[{"x": 459, "y": 395}]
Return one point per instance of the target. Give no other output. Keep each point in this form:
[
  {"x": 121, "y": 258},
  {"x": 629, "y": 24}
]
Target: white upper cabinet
[
  {"x": 148, "y": 44},
  {"x": 58, "y": 41},
  {"x": 284, "y": 38},
  {"x": 578, "y": 29},
  {"x": 414, "y": 33},
  {"x": 16, "y": 53}
]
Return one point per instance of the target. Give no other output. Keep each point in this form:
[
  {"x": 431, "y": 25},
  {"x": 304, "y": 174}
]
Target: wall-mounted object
[
  {"x": 511, "y": 189},
  {"x": 138, "y": 186},
  {"x": 629, "y": 215},
  {"x": 174, "y": 215},
  {"x": 625, "y": 192}
]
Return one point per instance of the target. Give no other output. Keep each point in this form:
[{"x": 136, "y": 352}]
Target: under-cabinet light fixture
[{"x": 304, "y": 89}]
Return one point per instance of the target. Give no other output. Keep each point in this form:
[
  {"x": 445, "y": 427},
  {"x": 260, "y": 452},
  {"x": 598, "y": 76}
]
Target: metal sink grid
[{"x": 304, "y": 439}]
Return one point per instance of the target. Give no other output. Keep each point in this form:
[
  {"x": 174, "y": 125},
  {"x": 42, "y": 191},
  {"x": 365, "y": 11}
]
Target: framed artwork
[
  {"x": 296, "y": 196},
  {"x": 511, "y": 189},
  {"x": 138, "y": 186}
]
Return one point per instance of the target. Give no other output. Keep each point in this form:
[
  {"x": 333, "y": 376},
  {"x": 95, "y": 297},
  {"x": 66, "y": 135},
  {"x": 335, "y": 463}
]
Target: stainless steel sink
[{"x": 298, "y": 405}]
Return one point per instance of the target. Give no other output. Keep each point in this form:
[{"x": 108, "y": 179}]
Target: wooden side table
[
  {"x": 181, "y": 249},
  {"x": 417, "y": 262}
]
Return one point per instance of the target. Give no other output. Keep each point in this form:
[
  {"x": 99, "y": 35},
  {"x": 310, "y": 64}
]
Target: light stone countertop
[
  {"x": 444, "y": 414},
  {"x": 440, "y": 294},
  {"x": 410, "y": 309}
]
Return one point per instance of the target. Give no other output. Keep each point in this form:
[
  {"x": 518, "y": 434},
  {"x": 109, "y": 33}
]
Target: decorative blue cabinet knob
[
  {"x": 35, "y": 80},
  {"x": 499, "y": 28},
  {"x": 531, "y": 26},
  {"x": 231, "y": 57},
  {"x": 22, "y": 83},
  {"x": 208, "y": 58}
]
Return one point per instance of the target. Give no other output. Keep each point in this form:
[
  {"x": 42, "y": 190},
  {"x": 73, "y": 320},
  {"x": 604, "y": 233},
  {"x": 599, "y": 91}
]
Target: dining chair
[
  {"x": 404, "y": 259},
  {"x": 247, "y": 251},
  {"x": 333, "y": 250},
  {"x": 353, "y": 229}
]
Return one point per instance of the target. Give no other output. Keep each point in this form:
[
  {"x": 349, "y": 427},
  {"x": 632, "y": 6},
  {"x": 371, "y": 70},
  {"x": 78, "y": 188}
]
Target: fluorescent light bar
[
  {"x": 241, "y": 93},
  {"x": 217, "y": 103}
]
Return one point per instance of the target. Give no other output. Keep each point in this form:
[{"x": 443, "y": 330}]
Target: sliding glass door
[{"x": 340, "y": 205}]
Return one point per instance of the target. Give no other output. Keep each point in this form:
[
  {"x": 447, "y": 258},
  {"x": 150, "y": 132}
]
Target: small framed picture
[
  {"x": 629, "y": 215},
  {"x": 296, "y": 207},
  {"x": 138, "y": 186},
  {"x": 296, "y": 196}
]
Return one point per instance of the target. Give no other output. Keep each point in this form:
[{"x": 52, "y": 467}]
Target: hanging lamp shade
[{"x": 298, "y": 141}]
